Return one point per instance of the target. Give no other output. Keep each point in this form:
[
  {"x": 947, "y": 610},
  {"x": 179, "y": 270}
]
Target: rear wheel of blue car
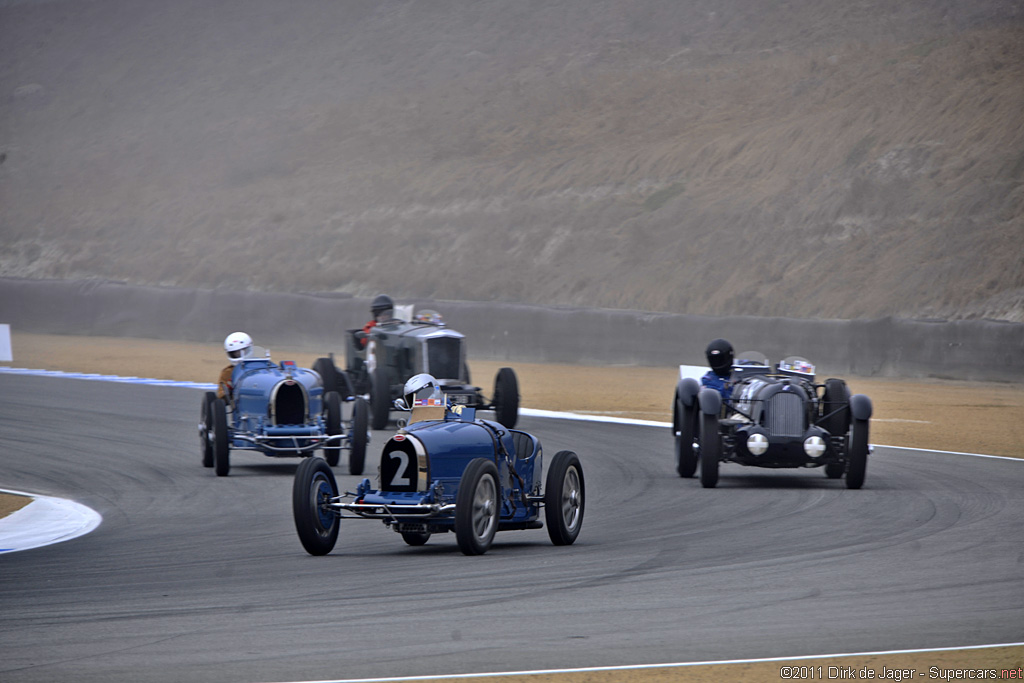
[
  {"x": 332, "y": 424},
  {"x": 312, "y": 491},
  {"x": 205, "y": 447},
  {"x": 710, "y": 450},
  {"x": 380, "y": 398},
  {"x": 360, "y": 424},
  {"x": 857, "y": 456},
  {"x": 564, "y": 498},
  {"x": 506, "y": 397},
  {"x": 219, "y": 429},
  {"x": 415, "y": 538},
  {"x": 684, "y": 422},
  {"x": 328, "y": 373},
  {"x": 476, "y": 507}
]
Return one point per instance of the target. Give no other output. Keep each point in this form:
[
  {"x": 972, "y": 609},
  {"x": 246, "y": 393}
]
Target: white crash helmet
[
  {"x": 421, "y": 386},
  {"x": 238, "y": 345}
]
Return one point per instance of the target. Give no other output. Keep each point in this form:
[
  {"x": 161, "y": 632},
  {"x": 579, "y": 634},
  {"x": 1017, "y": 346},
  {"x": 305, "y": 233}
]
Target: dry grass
[{"x": 9, "y": 503}]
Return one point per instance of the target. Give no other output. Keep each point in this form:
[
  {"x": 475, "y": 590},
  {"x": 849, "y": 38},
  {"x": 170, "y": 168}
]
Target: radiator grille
[
  {"x": 289, "y": 405},
  {"x": 444, "y": 357},
  {"x": 785, "y": 415}
]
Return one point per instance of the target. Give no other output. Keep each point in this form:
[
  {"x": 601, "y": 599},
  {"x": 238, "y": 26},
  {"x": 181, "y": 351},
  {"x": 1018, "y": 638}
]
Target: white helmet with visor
[{"x": 238, "y": 345}]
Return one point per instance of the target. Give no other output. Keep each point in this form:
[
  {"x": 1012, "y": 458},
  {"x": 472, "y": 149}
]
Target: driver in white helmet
[
  {"x": 238, "y": 346},
  {"x": 422, "y": 390},
  {"x": 423, "y": 396}
]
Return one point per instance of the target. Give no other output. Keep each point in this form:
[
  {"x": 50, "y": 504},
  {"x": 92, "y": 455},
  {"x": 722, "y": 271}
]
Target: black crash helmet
[
  {"x": 719, "y": 354},
  {"x": 381, "y": 303}
]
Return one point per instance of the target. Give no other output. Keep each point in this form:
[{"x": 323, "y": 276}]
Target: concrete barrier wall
[{"x": 890, "y": 347}]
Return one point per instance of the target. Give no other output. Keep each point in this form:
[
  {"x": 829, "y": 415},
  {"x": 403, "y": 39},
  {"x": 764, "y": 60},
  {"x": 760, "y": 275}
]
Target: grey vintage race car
[
  {"x": 776, "y": 417},
  {"x": 378, "y": 364}
]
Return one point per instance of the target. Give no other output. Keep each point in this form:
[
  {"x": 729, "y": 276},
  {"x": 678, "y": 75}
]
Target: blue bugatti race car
[
  {"x": 774, "y": 417},
  {"x": 445, "y": 470},
  {"x": 280, "y": 410}
]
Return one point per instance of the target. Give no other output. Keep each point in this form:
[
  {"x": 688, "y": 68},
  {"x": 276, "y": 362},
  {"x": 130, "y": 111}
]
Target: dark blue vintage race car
[
  {"x": 446, "y": 471},
  {"x": 280, "y": 411},
  {"x": 775, "y": 417}
]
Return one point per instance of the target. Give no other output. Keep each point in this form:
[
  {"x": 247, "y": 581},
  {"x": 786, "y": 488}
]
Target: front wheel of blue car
[
  {"x": 205, "y": 446},
  {"x": 476, "y": 507},
  {"x": 219, "y": 429},
  {"x": 710, "y": 450},
  {"x": 312, "y": 491},
  {"x": 564, "y": 498},
  {"x": 360, "y": 423}
]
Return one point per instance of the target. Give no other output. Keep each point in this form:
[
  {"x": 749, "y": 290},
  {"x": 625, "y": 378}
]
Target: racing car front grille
[
  {"x": 785, "y": 415},
  {"x": 444, "y": 357},
  {"x": 288, "y": 404}
]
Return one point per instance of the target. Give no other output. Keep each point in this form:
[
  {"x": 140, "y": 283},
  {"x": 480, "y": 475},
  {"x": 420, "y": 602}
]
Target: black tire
[
  {"x": 835, "y": 407},
  {"x": 345, "y": 386},
  {"x": 506, "y": 397},
  {"x": 219, "y": 425},
  {"x": 835, "y": 470},
  {"x": 205, "y": 447},
  {"x": 313, "y": 487},
  {"x": 476, "y": 507},
  {"x": 857, "y": 455},
  {"x": 360, "y": 424},
  {"x": 380, "y": 398},
  {"x": 564, "y": 498},
  {"x": 684, "y": 422},
  {"x": 328, "y": 373},
  {"x": 332, "y": 423},
  {"x": 710, "y": 450},
  {"x": 415, "y": 538}
]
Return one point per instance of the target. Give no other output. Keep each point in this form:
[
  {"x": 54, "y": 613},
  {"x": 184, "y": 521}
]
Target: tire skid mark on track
[{"x": 219, "y": 554}]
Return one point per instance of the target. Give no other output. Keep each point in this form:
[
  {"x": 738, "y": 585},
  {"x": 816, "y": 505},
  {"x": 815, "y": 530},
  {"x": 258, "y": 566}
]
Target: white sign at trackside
[{"x": 5, "y": 343}]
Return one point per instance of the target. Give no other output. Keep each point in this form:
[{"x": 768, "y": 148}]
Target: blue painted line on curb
[{"x": 108, "y": 378}]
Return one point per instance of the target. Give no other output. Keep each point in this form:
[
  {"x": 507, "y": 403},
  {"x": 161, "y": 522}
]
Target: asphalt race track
[{"x": 199, "y": 578}]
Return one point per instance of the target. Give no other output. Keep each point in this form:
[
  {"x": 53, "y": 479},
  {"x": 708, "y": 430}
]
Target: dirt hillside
[{"x": 804, "y": 158}]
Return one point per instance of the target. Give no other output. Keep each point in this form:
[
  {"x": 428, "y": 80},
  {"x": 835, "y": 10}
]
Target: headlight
[
  {"x": 814, "y": 446},
  {"x": 757, "y": 444}
]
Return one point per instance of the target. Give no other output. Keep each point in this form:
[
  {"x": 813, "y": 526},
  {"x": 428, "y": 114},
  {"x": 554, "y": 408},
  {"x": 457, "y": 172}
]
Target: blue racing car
[
  {"x": 445, "y": 470},
  {"x": 280, "y": 410}
]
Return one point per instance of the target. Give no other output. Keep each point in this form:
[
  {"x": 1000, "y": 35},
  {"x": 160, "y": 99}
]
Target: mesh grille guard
[{"x": 784, "y": 415}]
